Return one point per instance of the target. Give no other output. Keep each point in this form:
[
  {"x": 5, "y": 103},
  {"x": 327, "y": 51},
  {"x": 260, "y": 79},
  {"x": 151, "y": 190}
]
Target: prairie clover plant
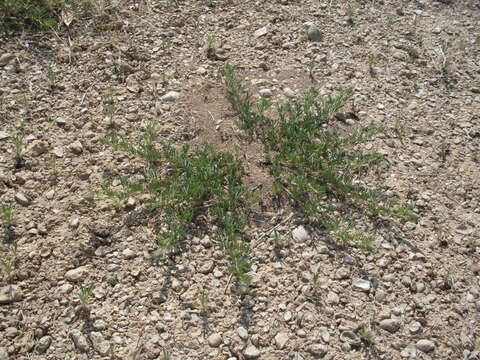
[
  {"x": 186, "y": 183},
  {"x": 312, "y": 161}
]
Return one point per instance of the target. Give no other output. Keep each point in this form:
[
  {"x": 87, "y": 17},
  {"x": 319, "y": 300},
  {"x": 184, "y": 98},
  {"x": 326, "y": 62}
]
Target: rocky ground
[{"x": 414, "y": 67}]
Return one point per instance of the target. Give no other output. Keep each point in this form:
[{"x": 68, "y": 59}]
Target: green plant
[
  {"x": 187, "y": 185},
  {"x": 372, "y": 61},
  {"x": 8, "y": 266},
  {"x": 85, "y": 293},
  {"x": 351, "y": 13},
  {"x": 108, "y": 102},
  {"x": 366, "y": 335},
  {"x": 8, "y": 219},
  {"x": 314, "y": 163},
  {"x": 203, "y": 301}
]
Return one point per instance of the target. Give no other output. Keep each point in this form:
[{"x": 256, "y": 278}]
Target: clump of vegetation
[
  {"x": 8, "y": 223},
  {"x": 313, "y": 162},
  {"x": 187, "y": 185}
]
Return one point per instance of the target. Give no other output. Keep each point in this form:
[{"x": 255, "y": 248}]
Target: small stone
[
  {"x": 43, "y": 344},
  {"x": 266, "y": 93},
  {"x": 22, "y": 199},
  {"x": 75, "y": 222},
  {"x": 242, "y": 332},
  {"x": 11, "y": 332},
  {"x": 260, "y": 32},
  {"x": 206, "y": 267},
  {"x": 66, "y": 288},
  {"x": 251, "y": 352},
  {"x": 79, "y": 340},
  {"x": 410, "y": 352},
  {"x": 314, "y": 33},
  {"x": 76, "y": 274},
  {"x": 171, "y": 96},
  {"x": 6, "y": 58},
  {"x": 317, "y": 350},
  {"x": 361, "y": 285},
  {"x": 332, "y": 298},
  {"x": 4, "y": 354},
  {"x": 99, "y": 325},
  {"x": 128, "y": 254},
  {"x": 50, "y": 194},
  {"x": 58, "y": 152},
  {"x": 4, "y": 135},
  {"x": 475, "y": 268},
  {"x": 287, "y": 316},
  {"x": 289, "y": 93},
  {"x": 415, "y": 327},
  {"x": 99, "y": 343},
  {"x": 425, "y": 345},
  {"x": 390, "y": 325},
  {"x": 10, "y": 294},
  {"x": 215, "y": 340},
  {"x": 281, "y": 340},
  {"x": 38, "y": 148},
  {"x": 300, "y": 234},
  {"x": 76, "y": 147}
]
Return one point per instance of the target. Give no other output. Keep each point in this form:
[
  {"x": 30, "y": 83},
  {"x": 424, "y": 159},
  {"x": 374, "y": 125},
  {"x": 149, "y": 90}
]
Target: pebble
[
  {"x": 390, "y": 325},
  {"x": 314, "y": 33},
  {"x": 75, "y": 222},
  {"x": 317, "y": 350},
  {"x": 410, "y": 352},
  {"x": 4, "y": 135},
  {"x": 260, "y": 32},
  {"x": 76, "y": 274},
  {"x": 242, "y": 332},
  {"x": 425, "y": 345},
  {"x": 215, "y": 340},
  {"x": 128, "y": 254},
  {"x": 171, "y": 96},
  {"x": 206, "y": 267},
  {"x": 22, "y": 199},
  {"x": 11, "y": 332},
  {"x": 266, "y": 93},
  {"x": 79, "y": 340},
  {"x": 58, "y": 152},
  {"x": 99, "y": 325},
  {"x": 10, "y": 294},
  {"x": 4, "y": 354},
  {"x": 99, "y": 343},
  {"x": 76, "y": 147},
  {"x": 38, "y": 148},
  {"x": 332, "y": 298},
  {"x": 361, "y": 285},
  {"x": 289, "y": 93},
  {"x": 251, "y": 352},
  {"x": 415, "y": 327},
  {"x": 50, "y": 194},
  {"x": 43, "y": 344},
  {"x": 281, "y": 340},
  {"x": 6, "y": 58},
  {"x": 300, "y": 234}
]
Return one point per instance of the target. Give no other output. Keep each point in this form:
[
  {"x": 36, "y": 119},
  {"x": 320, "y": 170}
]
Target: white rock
[
  {"x": 58, "y": 152},
  {"x": 281, "y": 340},
  {"x": 128, "y": 254},
  {"x": 76, "y": 147},
  {"x": 4, "y": 354},
  {"x": 300, "y": 234},
  {"x": 361, "y": 285},
  {"x": 289, "y": 93},
  {"x": 171, "y": 96},
  {"x": 4, "y": 135},
  {"x": 50, "y": 194},
  {"x": 251, "y": 352},
  {"x": 266, "y": 93},
  {"x": 425, "y": 345},
  {"x": 410, "y": 352},
  {"x": 76, "y": 274},
  {"x": 242, "y": 332},
  {"x": 260, "y": 32},
  {"x": 215, "y": 340}
]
